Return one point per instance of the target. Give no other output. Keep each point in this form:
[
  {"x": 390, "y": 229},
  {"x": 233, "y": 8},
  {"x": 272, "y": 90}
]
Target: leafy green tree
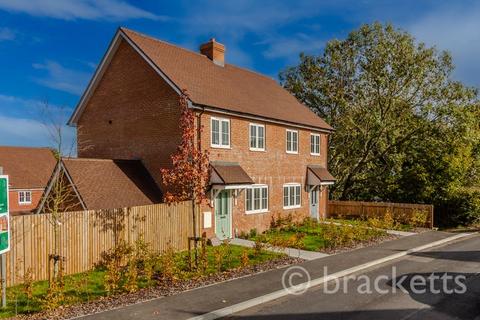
[{"x": 405, "y": 131}]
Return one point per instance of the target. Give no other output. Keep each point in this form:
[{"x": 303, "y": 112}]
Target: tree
[
  {"x": 405, "y": 131},
  {"x": 61, "y": 197},
  {"x": 188, "y": 178}
]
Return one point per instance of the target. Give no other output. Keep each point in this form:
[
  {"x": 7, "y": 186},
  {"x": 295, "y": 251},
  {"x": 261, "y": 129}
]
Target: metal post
[
  {"x": 3, "y": 259},
  {"x": 4, "y": 280}
]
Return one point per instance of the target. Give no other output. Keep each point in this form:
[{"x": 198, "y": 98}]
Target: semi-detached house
[{"x": 268, "y": 152}]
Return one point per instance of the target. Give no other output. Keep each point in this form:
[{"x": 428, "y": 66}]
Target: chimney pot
[{"x": 215, "y": 51}]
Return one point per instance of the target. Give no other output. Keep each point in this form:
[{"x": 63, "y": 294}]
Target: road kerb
[{"x": 220, "y": 313}]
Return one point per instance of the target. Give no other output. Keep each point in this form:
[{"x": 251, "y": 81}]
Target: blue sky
[{"x": 49, "y": 48}]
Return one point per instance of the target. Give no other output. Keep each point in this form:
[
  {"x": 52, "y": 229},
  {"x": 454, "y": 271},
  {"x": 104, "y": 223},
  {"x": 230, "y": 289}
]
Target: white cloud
[
  {"x": 61, "y": 78},
  {"x": 29, "y": 132},
  {"x": 232, "y": 22},
  {"x": 32, "y": 108},
  {"x": 7, "y": 34},
  {"x": 79, "y": 9},
  {"x": 454, "y": 28}
]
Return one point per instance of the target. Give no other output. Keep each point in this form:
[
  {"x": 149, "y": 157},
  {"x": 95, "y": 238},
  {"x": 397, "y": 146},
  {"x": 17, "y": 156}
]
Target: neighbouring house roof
[
  {"x": 109, "y": 184},
  {"x": 229, "y": 173},
  {"x": 319, "y": 175},
  {"x": 227, "y": 87},
  {"x": 27, "y": 168}
]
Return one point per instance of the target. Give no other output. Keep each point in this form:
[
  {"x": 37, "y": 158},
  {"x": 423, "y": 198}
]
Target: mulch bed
[
  {"x": 162, "y": 290},
  {"x": 361, "y": 244}
]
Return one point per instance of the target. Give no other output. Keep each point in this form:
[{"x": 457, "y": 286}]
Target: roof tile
[{"x": 230, "y": 88}]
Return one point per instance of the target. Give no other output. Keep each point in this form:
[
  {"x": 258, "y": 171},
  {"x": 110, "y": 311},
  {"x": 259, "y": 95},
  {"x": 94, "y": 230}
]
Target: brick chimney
[{"x": 215, "y": 51}]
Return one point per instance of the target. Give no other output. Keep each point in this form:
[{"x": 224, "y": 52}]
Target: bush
[
  {"x": 419, "y": 218},
  {"x": 282, "y": 223},
  {"x": 462, "y": 209}
]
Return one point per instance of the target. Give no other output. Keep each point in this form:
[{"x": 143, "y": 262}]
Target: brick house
[
  {"x": 268, "y": 152},
  {"x": 29, "y": 170}
]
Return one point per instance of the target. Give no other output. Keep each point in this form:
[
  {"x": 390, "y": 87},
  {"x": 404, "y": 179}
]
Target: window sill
[
  {"x": 257, "y": 150},
  {"x": 315, "y": 154},
  {"x": 220, "y": 147},
  {"x": 292, "y": 152},
  {"x": 292, "y": 207},
  {"x": 256, "y": 211},
  {"x": 24, "y": 203}
]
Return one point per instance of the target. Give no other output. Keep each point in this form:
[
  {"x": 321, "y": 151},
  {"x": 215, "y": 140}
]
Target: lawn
[
  {"x": 323, "y": 237},
  {"x": 89, "y": 286}
]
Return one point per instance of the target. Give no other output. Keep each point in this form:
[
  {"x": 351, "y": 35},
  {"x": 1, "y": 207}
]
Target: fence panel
[
  {"x": 360, "y": 209},
  {"x": 83, "y": 236}
]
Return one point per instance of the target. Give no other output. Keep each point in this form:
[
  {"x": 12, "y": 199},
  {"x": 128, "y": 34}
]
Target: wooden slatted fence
[
  {"x": 85, "y": 235},
  {"x": 360, "y": 209}
]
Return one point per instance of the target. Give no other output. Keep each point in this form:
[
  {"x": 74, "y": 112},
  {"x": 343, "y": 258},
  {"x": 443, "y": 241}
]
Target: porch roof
[
  {"x": 318, "y": 175},
  {"x": 229, "y": 173}
]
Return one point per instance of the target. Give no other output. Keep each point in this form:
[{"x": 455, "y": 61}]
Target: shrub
[
  {"x": 114, "y": 261},
  {"x": 419, "y": 218},
  {"x": 55, "y": 293},
  {"x": 131, "y": 283},
  {"x": 259, "y": 245},
  {"x": 244, "y": 259},
  {"x": 253, "y": 233},
  {"x": 282, "y": 223},
  {"x": 388, "y": 220},
  {"x": 27, "y": 287},
  {"x": 168, "y": 265}
]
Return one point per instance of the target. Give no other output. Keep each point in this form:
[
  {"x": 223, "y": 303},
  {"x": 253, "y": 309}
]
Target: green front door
[{"x": 223, "y": 217}]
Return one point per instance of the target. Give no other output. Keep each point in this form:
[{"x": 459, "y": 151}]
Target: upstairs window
[
  {"x": 257, "y": 137},
  {"x": 220, "y": 133},
  {"x": 256, "y": 199},
  {"x": 24, "y": 197},
  {"x": 315, "y": 144},
  {"x": 291, "y": 195},
  {"x": 292, "y": 141}
]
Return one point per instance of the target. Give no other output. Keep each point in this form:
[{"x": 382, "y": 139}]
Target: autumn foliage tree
[{"x": 189, "y": 176}]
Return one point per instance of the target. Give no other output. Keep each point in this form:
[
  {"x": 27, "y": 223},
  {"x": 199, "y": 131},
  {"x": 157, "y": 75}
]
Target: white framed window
[
  {"x": 220, "y": 133},
  {"x": 292, "y": 195},
  {"x": 257, "y": 137},
  {"x": 315, "y": 144},
  {"x": 24, "y": 197},
  {"x": 292, "y": 141},
  {"x": 256, "y": 199}
]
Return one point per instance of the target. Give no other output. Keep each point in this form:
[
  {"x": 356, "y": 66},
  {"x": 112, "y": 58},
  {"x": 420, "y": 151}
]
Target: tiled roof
[
  {"x": 322, "y": 173},
  {"x": 109, "y": 184},
  {"x": 229, "y": 88},
  {"x": 27, "y": 168},
  {"x": 230, "y": 173}
]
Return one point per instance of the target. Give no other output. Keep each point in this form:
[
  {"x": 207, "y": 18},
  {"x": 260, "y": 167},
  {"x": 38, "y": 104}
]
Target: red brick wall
[
  {"x": 15, "y": 207},
  {"x": 133, "y": 114},
  {"x": 273, "y": 167}
]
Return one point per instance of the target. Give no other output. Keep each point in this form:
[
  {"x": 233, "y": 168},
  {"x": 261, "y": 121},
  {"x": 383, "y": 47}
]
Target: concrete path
[
  {"x": 208, "y": 300},
  {"x": 292, "y": 252}
]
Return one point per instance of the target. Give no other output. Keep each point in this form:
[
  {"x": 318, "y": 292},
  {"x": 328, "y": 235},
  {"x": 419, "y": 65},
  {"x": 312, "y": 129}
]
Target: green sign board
[
  {"x": 4, "y": 216},
  {"x": 3, "y": 194}
]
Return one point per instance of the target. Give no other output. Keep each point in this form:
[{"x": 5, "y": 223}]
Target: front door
[
  {"x": 314, "y": 203},
  {"x": 223, "y": 216}
]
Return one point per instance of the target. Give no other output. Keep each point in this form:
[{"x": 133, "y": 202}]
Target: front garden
[
  {"x": 328, "y": 236},
  {"x": 130, "y": 274}
]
